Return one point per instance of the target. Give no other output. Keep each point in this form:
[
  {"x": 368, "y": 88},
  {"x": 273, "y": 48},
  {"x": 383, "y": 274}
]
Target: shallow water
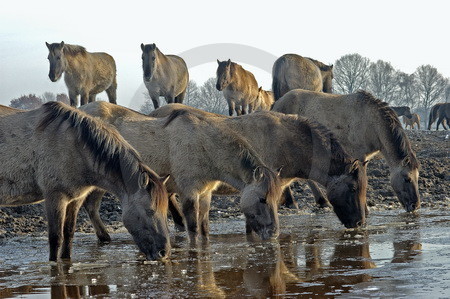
[{"x": 398, "y": 255}]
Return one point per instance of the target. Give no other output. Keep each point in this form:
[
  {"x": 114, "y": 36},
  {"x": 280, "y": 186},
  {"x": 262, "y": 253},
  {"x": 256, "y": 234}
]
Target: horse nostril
[{"x": 162, "y": 253}]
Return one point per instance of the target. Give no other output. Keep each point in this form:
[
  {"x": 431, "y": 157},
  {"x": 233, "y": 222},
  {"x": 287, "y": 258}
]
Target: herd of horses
[{"x": 68, "y": 157}]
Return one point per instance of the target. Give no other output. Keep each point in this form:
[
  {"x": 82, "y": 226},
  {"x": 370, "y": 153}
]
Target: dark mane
[
  {"x": 106, "y": 145},
  {"x": 322, "y": 66},
  {"x": 74, "y": 50},
  {"x": 398, "y": 137}
]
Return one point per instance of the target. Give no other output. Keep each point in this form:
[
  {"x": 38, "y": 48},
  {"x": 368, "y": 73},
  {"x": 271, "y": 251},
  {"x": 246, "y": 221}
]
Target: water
[{"x": 398, "y": 255}]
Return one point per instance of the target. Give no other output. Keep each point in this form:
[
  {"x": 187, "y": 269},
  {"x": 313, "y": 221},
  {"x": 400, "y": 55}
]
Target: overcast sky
[{"x": 405, "y": 33}]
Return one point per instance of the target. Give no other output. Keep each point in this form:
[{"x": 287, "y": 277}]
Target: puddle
[{"x": 396, "y": 256}]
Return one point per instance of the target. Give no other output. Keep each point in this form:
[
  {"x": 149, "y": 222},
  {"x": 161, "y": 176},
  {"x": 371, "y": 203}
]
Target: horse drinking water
[
  {"x": 59, "y": 155},
  {"x": 86, "y": 74}
]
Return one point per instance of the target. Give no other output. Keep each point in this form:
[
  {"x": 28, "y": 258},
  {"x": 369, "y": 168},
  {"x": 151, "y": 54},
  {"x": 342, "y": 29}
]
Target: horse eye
[
  {"x": 408, "y": 180},
  {"x": 153, "y": 58},
  {"x": 262, "y": 200}
]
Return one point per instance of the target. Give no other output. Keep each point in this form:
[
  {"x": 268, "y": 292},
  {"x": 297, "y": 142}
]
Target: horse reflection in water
[{"x": 407, "y": 246}]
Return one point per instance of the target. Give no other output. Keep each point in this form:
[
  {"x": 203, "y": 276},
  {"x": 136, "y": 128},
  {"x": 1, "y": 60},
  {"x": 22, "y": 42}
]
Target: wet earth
[{"x": 397, "y": 255}]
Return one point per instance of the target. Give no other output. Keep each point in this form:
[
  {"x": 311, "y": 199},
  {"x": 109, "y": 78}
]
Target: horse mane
[
  {"x": 322, "y": 66},
  {"x": 401, "y": 142},
  {"x": 74, "y": 50}
]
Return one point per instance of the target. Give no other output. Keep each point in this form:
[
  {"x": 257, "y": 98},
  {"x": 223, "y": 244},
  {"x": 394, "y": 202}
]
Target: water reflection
[{"x": 407, "y": 244}]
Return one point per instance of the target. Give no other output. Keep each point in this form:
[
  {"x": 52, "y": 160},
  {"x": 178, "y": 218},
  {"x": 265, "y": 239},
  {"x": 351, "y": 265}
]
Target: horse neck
[
  {"x": 73, "y": 63},
  {"x": 162, "y": 60}
]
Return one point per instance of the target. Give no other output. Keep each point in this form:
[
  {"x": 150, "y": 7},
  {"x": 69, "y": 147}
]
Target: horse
[
  {"x": 239, "y": 87},
  {"x": 85, "y": 74},
  {"x": 441, "y": 112},
  {"x": 292, "y": 71},
  {"x": 303, "y": 149},
  {"x": 364, "y": 126},
  {"x": 198, "y": 156},
  {"x": 415, "y": 119},
  {"x": 264, "y": 100},
  {"x": 402, "y": 111},
  {"x": 59, "y": 155},
  {"x": 164, "y": 75}
]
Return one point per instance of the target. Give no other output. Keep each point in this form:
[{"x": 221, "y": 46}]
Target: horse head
[
  {"x": 259, "y": 203},
  {"x": 405, "y": 182},
  {"x": 149, "y": 60},
  {"x": 223, "y": 74},
  {"x": 347, "y": 195},
  {"x": 58, "y": 62}
]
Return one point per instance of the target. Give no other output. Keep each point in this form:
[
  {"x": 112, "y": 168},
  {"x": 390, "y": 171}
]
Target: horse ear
[
  {"x": 153, "y": 46},
  {"x": 260, "y": 88},
  {"x": 164, "y": 179},
  {"x": 353, "y": 167},
  {"x": 218, "y": 62},
  {"x": 143, "y": 179},
  {"x": 257, "y": 174},
  {"x": 62, "y": 45},
  {"x": 48, "y": 45},
  {"x": 229, "y": 61},
  {"x": 279, "y": 170},
  {"x": 142, "y": 47},
  {"x": 331, "y": 66}
]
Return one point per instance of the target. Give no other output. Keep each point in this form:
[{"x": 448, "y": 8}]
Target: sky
[{"x": 253, "y": 33}]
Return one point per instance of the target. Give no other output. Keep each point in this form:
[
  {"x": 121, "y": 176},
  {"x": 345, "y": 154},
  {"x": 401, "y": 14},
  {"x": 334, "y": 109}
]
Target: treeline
[{"x": 32, "y": 101}]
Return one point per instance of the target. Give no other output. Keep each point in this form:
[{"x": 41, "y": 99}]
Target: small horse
[
  {"x": 59, "y": 154},
  {"x": 164, "y": 75},
  {"x": 292, "y": 71},
  {"x": 415, "y": 119},
  {"x": 198, "y": 155},
  {"x": 402, "y": 111},
  {"x": 303, "y": 149},
  {"x": 264, "y": 100},
  {"x": 239, "y": 87},
  {"x": 364, "y": 126},
  {"x": 441, "y": 112},
  {"x": 86, "y": 74}
]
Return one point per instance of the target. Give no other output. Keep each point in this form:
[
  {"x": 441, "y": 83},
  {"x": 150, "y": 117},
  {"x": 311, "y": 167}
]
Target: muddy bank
[{"x": 432, "y": 149}]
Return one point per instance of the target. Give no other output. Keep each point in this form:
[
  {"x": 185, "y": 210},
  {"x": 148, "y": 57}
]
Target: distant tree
[
  {"x": 350, "y": 73},
  {"x": 431, "y": 85},
  {"x": 48, "y": 97},
  {"x": 211, "y": 99},
  {"x": 192, "y": 94},
  {"x": 447, "y": 93},
  {"x": 383, "y": 81},
  {"x": 26, "y": 102},
  {"x": 147, "y": 107},
  {"x": 407, "y": 90},
  {"x": 63, "y": 98}
]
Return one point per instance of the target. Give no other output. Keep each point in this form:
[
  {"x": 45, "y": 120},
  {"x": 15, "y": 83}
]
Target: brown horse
[
  {"x": 414, "y": 119},
  {"x": 441, "y": 112},
  {"x": 264, "y": 100},
  {"x": 292, "y": 71},
  {"x": 402, "y": 111},
  {"x": 198, "y": 155},
  {"x": 164, "y": 75},
  {"x": 364, "y": 126},
  {"x": 86, "y": 74},
  {"x": 59, "y": 154},
  {"x": 303, "y": 149},
  {"x": 239, "y": 87}
]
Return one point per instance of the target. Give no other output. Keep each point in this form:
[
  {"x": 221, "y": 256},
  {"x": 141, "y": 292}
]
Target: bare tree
[
  {"x": 350, "y": 73},
  {"x": 211, "y": 99},
  {"x": 431, "y": 85},
  {"x": 48, "y": 97},
  {"x": 26, "y": 102},
  {"x": 447, "y": 93},
  {"x": 407, "y": 90},
  {"x": 63, "y": 98},
  {"x": 192, "y": 94},
  {"x": 383, "y": 81}
]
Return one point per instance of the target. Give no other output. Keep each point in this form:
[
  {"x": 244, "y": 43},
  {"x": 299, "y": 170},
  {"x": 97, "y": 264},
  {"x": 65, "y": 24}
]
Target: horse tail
[{"x": 277, "y": 76}]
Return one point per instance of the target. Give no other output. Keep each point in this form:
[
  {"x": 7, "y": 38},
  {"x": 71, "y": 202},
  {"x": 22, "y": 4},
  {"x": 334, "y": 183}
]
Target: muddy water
[{"x": 397, "y": 255}]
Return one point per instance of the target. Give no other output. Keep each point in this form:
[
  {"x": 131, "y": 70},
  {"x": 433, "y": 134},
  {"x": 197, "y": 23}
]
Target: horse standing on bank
[
  {"x": 86, "y": 74},
  {"x": 414, "y": 119},
  {"x": 164, "y": 75},
  {"x": 59, "y": 154},
  {"x": 364, "y": 126},
  {"x": 402, "y": 111},
  {"x": 239, "y": 87},
  {"x": 292, "y": 71},
  {"x": 441, "y": 113},
  {"x": 303, "y": 149},
  {"x": 198, "y": 156},
  {"x": 264, "y": 100}
]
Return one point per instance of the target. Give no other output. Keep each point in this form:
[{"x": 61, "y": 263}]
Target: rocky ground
[{"x": 432, "y": 149}]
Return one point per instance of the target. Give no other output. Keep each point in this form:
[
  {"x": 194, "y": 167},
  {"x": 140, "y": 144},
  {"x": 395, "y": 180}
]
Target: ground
[{"x": 432, "y": 149}]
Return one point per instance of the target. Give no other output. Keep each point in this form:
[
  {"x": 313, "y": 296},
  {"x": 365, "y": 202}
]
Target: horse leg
[
  {"x": 70, "y": 224},
  {"x": 73, "y": 98},
  {"x": 169, "y": 99},
  {"x": 287, "y": 199},
  {"x": 238, "y": 110},
  {"x": 231, "y": 107},
  {"x": 155, "y": 100},
  {"x": 112, "y": 92},
  {"x": 320, "y": 197},
  {"x": 190, "y": 206},
  {"x": 84, "y": 97},
  {"x": 203, "y": 215},
  {"x": 91, "y": 98},
  {"x": 176, "y": 213},
  {"x": 55, "y": 206},
  {"x": 244, "y": 109},
  {"x": 439, "y": 122},
  {"x": 180, "y": 98},
  {"x": 92, "y": 207}
]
